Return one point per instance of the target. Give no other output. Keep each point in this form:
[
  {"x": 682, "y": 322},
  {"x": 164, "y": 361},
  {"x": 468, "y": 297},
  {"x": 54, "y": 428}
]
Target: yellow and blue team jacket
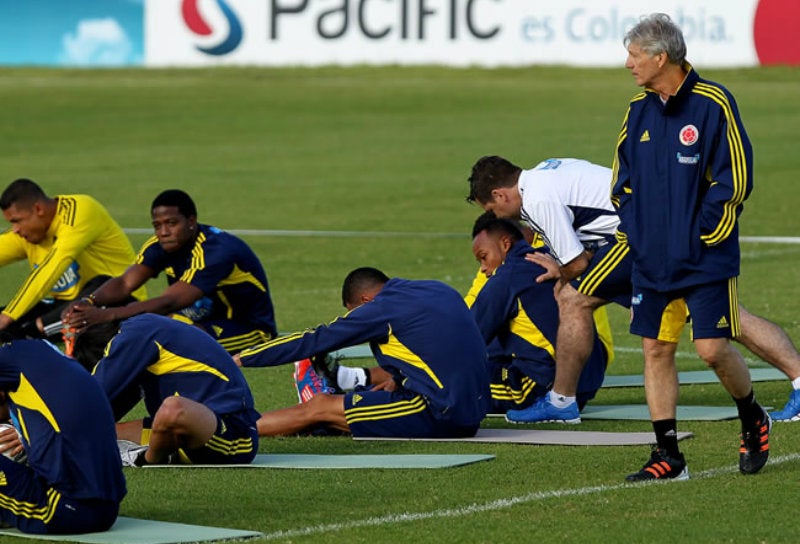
[
  {"x": 420, "y": 331},
  {"x": 225, "y": 269},
  {"x": 522, "y": 315},
  {"x": 163, "y": 357},
  {"x": 681, "y": 173},
  {"x": 83, "y": 242},
  {"x": 65, "y": 421}
]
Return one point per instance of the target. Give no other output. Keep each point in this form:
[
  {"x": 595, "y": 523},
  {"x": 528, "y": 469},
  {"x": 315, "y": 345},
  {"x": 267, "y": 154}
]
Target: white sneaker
[{"x": 129, "y": 452}]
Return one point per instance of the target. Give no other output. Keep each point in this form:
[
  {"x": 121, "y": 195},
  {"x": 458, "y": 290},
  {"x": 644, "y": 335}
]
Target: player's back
[
  {"x": 65, "y": 419},
  {"x": 435, "y": 342},
  {"x": 581, "y": 186},
  {"x": 168, "y": 357}
]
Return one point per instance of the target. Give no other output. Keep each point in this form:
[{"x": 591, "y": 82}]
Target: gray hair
[{"x": 657, "y": 33}]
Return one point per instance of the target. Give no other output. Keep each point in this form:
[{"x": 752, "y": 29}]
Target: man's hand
[
  {"x": 10, "y": 443},
  {"x": 546, "y": 261},
  {"x": 85, "y": 315},
  {"x": 385, "y": 385},
  {"x": 67, "y": 312}
]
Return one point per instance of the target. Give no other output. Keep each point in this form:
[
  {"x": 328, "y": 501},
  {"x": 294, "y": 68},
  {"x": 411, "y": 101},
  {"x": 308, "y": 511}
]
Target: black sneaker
[
  {"x": 754, "y": 449},
  {"x": 328, "y": 367},
  {"x": 661, "y": 467}
]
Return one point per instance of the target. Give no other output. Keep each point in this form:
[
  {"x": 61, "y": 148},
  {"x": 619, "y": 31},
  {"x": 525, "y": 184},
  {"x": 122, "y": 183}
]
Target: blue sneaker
[
  {"x": 308, "y": 382},
  {"x": 790, "y": 412},
  {"x": 543, "y": 411}
]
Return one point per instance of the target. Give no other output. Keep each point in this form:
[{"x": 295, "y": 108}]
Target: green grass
[{"x": 389, "y": 150}]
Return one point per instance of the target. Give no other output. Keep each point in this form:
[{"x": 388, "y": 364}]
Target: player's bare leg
[
  {"x": 575, "y": 338},
  {"x": 732, "y": 371},
  {"x": 321, "y": 408},
  {"x": 130, "y": 431},
  {"x": 769, "y": 342},
  {"x": 660, "y": 378}
]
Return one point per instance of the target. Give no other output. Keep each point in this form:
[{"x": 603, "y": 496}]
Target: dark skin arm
[{"x": 82, "y": 314}]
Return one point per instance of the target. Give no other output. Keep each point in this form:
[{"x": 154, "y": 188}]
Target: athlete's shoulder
[
  {"x": 217, "y": 237},
  {"x": 713, "y": 94},
  {"x": 639, "y": 97},
  {"x": 81, "y": 209},
  {"x": 516, "y": 264},
  {"x": 142, "y": 326},
  {"x": 214, "y": 238},
  {"x": 150, "y": 249},
  {"x": 213, "y": 233}
]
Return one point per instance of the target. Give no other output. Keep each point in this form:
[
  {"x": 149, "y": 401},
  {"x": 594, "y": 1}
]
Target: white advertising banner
[{"x": 447, "y": 32}]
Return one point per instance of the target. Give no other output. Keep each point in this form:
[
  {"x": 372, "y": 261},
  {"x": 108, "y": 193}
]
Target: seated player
[
  {"x": 72, "y": 481},
  {"x": 215, "y": 280},
  {"x": 426, "y": 344},
  {"x": 199, "y": 404},
  {"x": 522, "y": 315},
  {"x": 72, "y": 245}
]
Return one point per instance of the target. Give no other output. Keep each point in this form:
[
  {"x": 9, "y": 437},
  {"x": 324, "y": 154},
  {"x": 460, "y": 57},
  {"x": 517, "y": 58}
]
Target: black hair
[
  {"x": 22, "y": 192},
  {"x": 360, "y": 280},
  {"x": 492, "y": 224},
  {"x": 178, "y": 199},
  {"x": 90, "y": 345}
]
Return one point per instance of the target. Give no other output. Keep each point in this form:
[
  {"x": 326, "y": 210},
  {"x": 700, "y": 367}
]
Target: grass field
[{"x": 375, "y": 161}]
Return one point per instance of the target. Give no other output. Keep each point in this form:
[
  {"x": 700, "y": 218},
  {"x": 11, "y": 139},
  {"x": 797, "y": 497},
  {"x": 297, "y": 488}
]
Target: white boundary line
[
  {"x": 394, "y": 234},
  {"x": 771, "y": 239},
  {"x": 498, "y": 504},
  {"x": 325, "y": 233}
]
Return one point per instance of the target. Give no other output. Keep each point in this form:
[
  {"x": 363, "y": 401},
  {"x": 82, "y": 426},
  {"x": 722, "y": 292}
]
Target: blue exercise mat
[{"x": 640, "y": 412}]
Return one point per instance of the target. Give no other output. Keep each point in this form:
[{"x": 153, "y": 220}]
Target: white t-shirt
[{"x": 568, "y": 202}]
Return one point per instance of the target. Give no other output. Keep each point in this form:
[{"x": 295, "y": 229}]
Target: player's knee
[
  {"x": 714, "y": 353},
  {"x": 170, "y": 414},
  {"x": 323, "y": 406},
  {"x": 572, "y": 301}
]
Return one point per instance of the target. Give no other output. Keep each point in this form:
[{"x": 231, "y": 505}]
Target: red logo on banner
[{"x": 775, "y": 31}]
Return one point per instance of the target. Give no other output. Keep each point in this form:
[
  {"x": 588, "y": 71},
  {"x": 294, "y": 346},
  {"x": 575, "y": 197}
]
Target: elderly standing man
[{"x": 682, "y": 171}]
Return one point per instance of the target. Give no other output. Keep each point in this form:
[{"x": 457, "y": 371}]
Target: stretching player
[
  {"x": 568, "y": 202},
  {"x": 215, "y": 280},
  {"x": 72, "y": 245},
  {"x": 424, "y": 340},
  {"x": 522, "y": 315},
  {"x": 199, "y": 404},
  {"x": 72, "y": 481}
]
